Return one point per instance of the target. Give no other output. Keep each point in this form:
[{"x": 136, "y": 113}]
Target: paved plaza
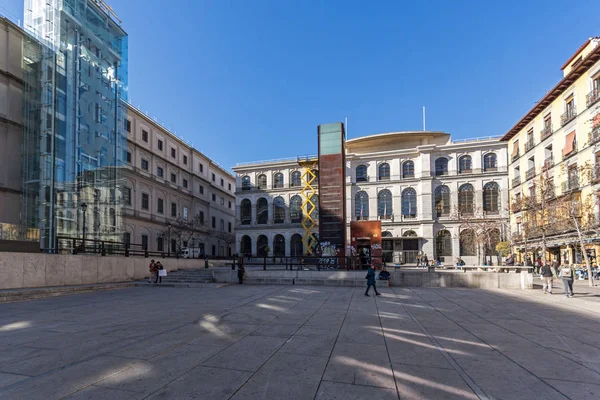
[{"x": 302, "y": 342}]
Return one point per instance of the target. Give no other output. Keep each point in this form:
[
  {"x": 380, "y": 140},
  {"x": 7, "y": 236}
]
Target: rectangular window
[
  {"x": 214, "y": 250},
  {"x": 222, "y": 201},
  {"x": 229, "y": 204},
  {"x": 173, "y": 178},
  {"x": 229, "y": 185},
  {"x": 214, "y": 197},
  {"x": 128, "y": 125},
  {"x": 145, "y": 136},
  {"x": 127, "y": 196},
  {"x": 185, "y": 213},
  {"x": 127, "y": 238},
  {"x": 145, "y": 242},
  {"x": 144, "y": 164},
  {"x": 222, "y": 225},
  {"x": 160, "y": 144},
  {"x": 160, "y": 244},
  {"x": 201, "y": 189},
  {"x": 229, "y": 227},
  {"x": 222, "y": 182},
  {"x": 185, "y": 183},
  {"x": 185, "y": 160},
  {"x": 173, "y": 153},
  {"x": 201, "y": 217},
  {"x": 159, "y": 171},
  {"x": 173, "y": 209},
  {"x": 160, "y": 206},
  {"x": 145, "y": 201},
  {"x": 214, "y": 223},
  {"x": 201, "y": 168},
  {"x": 128, "y": 157},
  {"x": 213, "y": 178}
]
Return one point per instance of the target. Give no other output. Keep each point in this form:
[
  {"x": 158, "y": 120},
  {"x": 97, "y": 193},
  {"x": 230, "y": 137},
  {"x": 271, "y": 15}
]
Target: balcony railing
[
  {"x": 465, "y": 171},
  {"x": 529, "y": 145},
  {"x": 516, "y": 206},
  {"x": 530, "y": 173},
  {"x": 516, "y": 181},
  {"x": 571, "y": 184},
  {"x": 515, "y": 157},
  {"x": 548, "y": 163},
  {"x": 568, "y": 116},
  {"x": 595, "y": 134},
  {"x": 592, "y": 97},
  {"x": 572, "y": 152},
  {"x": 546, "y": 132}
]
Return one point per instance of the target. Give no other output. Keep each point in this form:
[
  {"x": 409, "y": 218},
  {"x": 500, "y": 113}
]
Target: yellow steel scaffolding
[{"x": 309, "y": 190}]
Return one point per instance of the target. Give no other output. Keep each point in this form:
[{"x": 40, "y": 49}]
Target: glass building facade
[{"x": 74, "y": 138}]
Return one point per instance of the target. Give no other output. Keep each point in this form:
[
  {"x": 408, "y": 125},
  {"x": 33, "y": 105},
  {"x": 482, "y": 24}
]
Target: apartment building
[
  {"x": 420, "y": 185},
  {"x": 167, "y": 182},
  {"x": 552, "y": 143}
]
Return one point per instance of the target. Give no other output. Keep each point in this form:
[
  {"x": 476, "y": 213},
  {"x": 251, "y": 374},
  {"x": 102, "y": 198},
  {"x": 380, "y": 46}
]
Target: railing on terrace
[
  {"x": 530, "y": 173},
  {"x": 548, "y": 163},
  {"x": 596, "y": 173},
  {"x": 571, "y": 184},
  {"x": 529, "y": 145},
  {"x": 568, "y": 116},
  {"x": 592, "y": 97},
  {"x": 515, "y": 157},
  {"x": 546, "y": 132},
  {"x": 595, "y": 134},
  {"x": 516, "y": 181}
]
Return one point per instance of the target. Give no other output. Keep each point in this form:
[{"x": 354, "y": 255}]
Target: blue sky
[{"x": 251, "y": 80}]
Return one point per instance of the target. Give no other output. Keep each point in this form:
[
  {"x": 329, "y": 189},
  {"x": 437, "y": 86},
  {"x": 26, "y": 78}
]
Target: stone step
[
  {"x": 208, "y": 285},
  {"x": 12, "y": 295}
]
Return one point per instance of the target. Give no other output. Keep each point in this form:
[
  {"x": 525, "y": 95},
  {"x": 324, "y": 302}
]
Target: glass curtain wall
[{"x": 75, "y": 151}]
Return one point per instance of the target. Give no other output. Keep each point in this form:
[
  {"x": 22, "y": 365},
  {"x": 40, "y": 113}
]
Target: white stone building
[{"x": 414, "y": 182}]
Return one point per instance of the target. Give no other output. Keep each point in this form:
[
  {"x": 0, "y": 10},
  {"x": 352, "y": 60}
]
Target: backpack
[{"x": 566, "y": 272}]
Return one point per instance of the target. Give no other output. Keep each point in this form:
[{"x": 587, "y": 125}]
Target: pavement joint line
[
  {"x": 493, "y": 347},
  {"x": 479, "y": 392},
  {"x": 359, "y": 384},
  {"x": 387, "y": 351},
  {"x": 335, "y": 342},
  {"x": 276, "y": 351}
]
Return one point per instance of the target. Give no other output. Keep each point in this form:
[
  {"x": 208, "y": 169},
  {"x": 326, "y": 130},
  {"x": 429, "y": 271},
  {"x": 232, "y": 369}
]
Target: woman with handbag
[
  {"x": 159, "y": 273},
  {"x": 567, "y": 274}
]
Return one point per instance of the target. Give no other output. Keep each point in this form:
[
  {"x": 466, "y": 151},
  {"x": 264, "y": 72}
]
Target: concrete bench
[{"x": 338, "y": 282}]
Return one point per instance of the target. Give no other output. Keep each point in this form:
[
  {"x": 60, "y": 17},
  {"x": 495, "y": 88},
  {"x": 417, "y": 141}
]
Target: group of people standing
[
  {"x": 548, "y": 272},
  {"x": 155, "y": 274}
]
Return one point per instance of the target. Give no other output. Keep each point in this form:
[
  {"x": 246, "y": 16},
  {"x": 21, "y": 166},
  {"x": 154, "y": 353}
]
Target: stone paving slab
[{"x": 285, "y": 342}]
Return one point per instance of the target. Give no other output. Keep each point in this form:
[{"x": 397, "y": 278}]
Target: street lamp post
[
  {"x": 169, "y": 240},
  {"x": 83, "y": 209}
]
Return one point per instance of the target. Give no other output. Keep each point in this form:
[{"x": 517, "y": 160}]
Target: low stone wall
[
  {"x": 27, "y": 270},
  {"x": 480, "y": 280}
]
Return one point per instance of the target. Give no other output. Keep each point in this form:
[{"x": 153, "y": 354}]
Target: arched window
[
  {"x": 466, "y": 198},
  {"x": 361, "y": 205},
  {"x": 491, "y": 197},
  {"x": 246, "y": 183},
  {"x": 441, "y": 201},
  {"x": 464, "y": 165},
  {"x": 278, "y": 210},
  {"x": 441, "y": 166},
  {"x": 384, "y": 204},
  {"x": 410, "y": 234},
  {"x": 262, "y": 211},
  {"x": 493, "y": 237},
  {"x": 261, "y": 181},
  {"x": 386, "y": 234},
  {"x": 296, "y": 214},
  {"x": 489, "y": 162},
  {"x": 246, "y": 212},
  {"x": 261, "y": 246},
  {"x": 246, "y": 246},
  {"x": 296, "y": 247},
  {"x": 361, "y": 174},
  {"x": 409, "y": 203},
  {"x": 467, "y": 243},
  {"x": 315, "y": 211},
  {"x": 279, "y": 246},
  {"x": 278, "y": 180},
  {"x": 408, "y": 169},
  {"x": 443, "y": 244},
  {"x": 383, "y": 171},
  {"x": 296, "y": 179}
]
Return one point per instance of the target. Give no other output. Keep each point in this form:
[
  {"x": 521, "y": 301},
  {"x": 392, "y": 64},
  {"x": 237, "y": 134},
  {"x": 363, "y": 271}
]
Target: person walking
[
  {"x": 371, "y": 281},
  {"x": 567, "y": 273},
  {"x": 153, "y": 271},
  {"x": 241, "y": 270},
  {"x": 159, "y": 267},
  {"x": 425, "y": 261},
  {"x": 547, "y": 274}
]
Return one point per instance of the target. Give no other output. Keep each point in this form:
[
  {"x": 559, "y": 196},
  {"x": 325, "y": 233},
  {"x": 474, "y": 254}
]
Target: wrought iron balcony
[
  {"x": 546, "y": 132},
  {"x": 548, "y": 163},
  {"x": 516, "y": 206},
  {"x": 529, "y": 145},
  {"x": 530, "y": 173},
  {"x": 595, "y": 134},
  {"x": 592, "y": 97},
  {"x": 571, "y": 184},
  {"x": 516, "y": 181},
  {"x": 568, "y": 116},
  {"x": 515, "y": 157},
  {"x": 465, "y": 171}
]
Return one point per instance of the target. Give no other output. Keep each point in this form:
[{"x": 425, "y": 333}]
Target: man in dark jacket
[
  {"x": 371, "y": 281},
  {"x": 241, "y": 270},
  {"x": 547, "y": 275}
]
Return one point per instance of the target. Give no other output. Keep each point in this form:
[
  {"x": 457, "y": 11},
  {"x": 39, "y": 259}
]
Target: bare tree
[
  {"x": 183, "y": 231},
  {"x": 487, "y": 230}
]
